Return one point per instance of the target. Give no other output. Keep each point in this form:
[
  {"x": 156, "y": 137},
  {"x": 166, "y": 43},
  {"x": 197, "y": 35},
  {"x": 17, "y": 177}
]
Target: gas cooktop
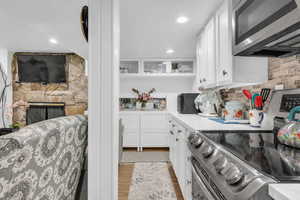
[{"x": 263, "y": 153}]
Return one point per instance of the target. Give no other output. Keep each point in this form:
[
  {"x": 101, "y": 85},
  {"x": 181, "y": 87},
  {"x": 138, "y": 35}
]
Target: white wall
[
  {"x": 5, "y": 62},
  {"x": 162, "y": 85}
]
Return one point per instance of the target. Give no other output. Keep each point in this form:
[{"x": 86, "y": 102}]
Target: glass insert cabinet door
[
  {"x": 182, "y": 67},
  {"x": 155, "y": 67},
  {"x": 254, "y": 15},
  {"x": 129, "y": 67},
  {"x": 169, "y": 67}
]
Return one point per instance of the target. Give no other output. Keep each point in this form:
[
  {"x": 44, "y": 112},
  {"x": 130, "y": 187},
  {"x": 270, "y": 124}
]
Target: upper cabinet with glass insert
[
  {"x": 144, "y": 68},
  {"x": 129, "y": 67},
  {"x": 155, "y": 67}
]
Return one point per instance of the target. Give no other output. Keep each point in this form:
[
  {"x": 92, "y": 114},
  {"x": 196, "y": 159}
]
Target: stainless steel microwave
[{"x": 268, "y": 28}]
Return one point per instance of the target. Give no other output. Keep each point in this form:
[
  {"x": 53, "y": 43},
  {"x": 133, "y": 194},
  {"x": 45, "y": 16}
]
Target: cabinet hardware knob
[
  {"x": 189, "y": 182},
  {"x": 200, "y": 81},
  {"x": 177, "y": 139},
  {"x": 204, "y": 80},
  {"x": 224, "y": 72}
]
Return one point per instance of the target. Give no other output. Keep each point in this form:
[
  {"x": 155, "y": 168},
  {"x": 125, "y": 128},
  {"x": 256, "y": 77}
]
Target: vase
[{"x": 138, "y": 105}]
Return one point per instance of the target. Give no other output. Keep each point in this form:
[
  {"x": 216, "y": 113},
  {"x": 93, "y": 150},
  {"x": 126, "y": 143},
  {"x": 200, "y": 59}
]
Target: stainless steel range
[{"x": 240, "y": 165}]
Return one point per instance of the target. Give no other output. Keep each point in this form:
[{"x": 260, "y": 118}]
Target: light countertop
[
  {"x": 143, "y": 111},
  {"x": 199, "y": 123},
  {"x": 284, "y": 191}
]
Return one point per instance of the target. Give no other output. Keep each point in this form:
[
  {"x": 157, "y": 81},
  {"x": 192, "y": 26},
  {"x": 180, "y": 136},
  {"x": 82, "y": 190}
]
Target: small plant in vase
[{"x": 142, "y": 98}]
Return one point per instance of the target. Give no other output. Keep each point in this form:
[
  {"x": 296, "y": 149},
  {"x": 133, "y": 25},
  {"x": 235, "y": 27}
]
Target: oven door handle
[{"x": 204, "y": 189}]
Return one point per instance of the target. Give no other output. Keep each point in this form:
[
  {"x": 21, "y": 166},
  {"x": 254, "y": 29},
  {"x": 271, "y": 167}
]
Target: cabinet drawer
[
  {"x": 154, "y": 139},
  {"x": 130, "y": 139},
  {"x": 130, "y": 121},
  {"x": 154, "y": 122}
]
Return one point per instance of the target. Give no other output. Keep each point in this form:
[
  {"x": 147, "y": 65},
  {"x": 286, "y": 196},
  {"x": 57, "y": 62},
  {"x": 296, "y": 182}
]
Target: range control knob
[
  {"x": 208, "y": 151},
  {"x": 220, "y": 164},
  {"x": 198, "y": 142},
  {"x": 234, "y": 175},
  {"x": 192, "y": 137}
]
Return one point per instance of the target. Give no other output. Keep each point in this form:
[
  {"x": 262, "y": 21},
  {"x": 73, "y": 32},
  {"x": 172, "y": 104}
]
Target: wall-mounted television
[{"x": 42, "y": 68}]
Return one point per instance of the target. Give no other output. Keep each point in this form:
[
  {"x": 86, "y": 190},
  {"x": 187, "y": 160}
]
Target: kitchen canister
[
  {"x": 234, "y": 110},
  {"x": 290, "y": 133}
]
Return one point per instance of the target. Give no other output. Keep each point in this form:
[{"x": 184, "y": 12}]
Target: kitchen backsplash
[{"x": 284, "y": 71}]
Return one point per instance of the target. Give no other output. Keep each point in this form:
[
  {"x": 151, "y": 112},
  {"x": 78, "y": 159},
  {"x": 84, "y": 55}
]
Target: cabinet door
[
  {"x": 188, "y": 175},
  {"x": 131, "y": 124},
  {"x": 181, "y": 160},
  {"x": 201, "y": 56},
  {"x": 154, "y": 130},
  {"x": 210, "y": 66},
  {"x": 224, "y": 44}
]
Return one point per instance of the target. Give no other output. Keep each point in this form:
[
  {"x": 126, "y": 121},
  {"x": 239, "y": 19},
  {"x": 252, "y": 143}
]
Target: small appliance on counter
[
  {"x": 185, "y": 103},
  {"x": 209, "y": 103}
]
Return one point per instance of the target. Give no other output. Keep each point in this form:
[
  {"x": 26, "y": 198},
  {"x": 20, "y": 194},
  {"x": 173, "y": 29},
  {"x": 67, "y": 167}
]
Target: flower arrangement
[{"x": 143, "y": 97}]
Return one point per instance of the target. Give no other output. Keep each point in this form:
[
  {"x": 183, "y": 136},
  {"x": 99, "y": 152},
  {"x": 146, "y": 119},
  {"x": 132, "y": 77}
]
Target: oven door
[
  {"x": 257, "y": 21},
  {"x": 199, "y": 189}
]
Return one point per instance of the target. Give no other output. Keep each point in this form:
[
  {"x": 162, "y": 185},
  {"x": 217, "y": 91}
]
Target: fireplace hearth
[{"x": 40, "y": 111}]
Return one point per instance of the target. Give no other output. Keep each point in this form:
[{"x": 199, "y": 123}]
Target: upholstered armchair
[{"x": 43, "y": 161}]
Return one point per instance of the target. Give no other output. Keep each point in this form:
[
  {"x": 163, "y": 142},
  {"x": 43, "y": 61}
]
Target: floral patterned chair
[{"x": 43, "y": 161}]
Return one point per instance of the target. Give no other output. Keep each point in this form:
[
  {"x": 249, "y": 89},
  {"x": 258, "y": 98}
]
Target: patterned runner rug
[{"x": 151, "y": 181}]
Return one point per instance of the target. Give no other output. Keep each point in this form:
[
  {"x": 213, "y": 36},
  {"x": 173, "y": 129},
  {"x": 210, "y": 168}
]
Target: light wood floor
[{"x": 125, "y": 175}]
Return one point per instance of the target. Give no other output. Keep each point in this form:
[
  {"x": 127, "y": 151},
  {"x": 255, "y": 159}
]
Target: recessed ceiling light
[
  {"x": 182, "y": 20},
  {"x": 170, "y": 51},
  {"x": 53, "y": 41}
]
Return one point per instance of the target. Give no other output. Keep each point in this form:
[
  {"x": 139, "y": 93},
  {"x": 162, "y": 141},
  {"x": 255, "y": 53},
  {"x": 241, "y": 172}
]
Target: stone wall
[
  {"x": 284, "y": 71},
  {"x": 74, "y": 93}
]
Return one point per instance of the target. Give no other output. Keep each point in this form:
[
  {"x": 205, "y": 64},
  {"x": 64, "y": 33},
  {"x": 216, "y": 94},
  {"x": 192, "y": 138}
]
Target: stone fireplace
[
  {"x": 40, "y": 111},
  {"x": 73, "y": 93}
]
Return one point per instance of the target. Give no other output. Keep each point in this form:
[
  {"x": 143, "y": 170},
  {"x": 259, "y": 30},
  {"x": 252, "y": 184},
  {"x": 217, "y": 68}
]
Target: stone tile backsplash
[{"x": 285, "y": 71}]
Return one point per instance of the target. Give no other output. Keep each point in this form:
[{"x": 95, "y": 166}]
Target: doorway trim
[{"x": 104, "y": 39}]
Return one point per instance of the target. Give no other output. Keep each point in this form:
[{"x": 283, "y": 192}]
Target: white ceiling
[
  {"x": 27, "y": 25},
  {"x": 148, "y": 27}
]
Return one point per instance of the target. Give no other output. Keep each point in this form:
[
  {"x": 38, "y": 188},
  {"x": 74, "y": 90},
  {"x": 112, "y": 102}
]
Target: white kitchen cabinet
[
  {"x": 206, "y": 74},
  {"x": 216, "y": 65},
  {"x": 180, "y": 156},
  {"x": 131, "y": 122},
  {"x": 154, "y": 130},
  {"x": 210, "y": 77},
  {"x": 145, "y": 129},
  {"x": 234, "y": 70}
]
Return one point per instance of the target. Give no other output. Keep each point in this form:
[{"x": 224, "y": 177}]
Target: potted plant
[{"x": 143, "y": 98}]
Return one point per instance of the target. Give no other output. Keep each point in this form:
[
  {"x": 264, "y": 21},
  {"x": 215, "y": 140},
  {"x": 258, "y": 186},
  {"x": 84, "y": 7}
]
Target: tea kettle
[{"x": 289, "y": 134}]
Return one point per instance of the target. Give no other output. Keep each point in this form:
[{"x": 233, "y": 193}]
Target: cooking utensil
[
  {"x": 253, "y": 99},
  {"x": 265, "y": 92},
  {"x": 248, "y": 94},
  {"x": 259, "y": 102}
]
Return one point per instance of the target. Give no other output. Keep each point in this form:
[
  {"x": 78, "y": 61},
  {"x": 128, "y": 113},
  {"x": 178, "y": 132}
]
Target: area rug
[
  {"x": 151, "y": 181},
  {"x": 133, "y": 157}
]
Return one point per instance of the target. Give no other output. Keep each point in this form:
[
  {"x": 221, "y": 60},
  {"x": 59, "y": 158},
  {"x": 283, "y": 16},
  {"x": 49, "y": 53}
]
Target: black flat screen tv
[{"x": 42, "y": 68}]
